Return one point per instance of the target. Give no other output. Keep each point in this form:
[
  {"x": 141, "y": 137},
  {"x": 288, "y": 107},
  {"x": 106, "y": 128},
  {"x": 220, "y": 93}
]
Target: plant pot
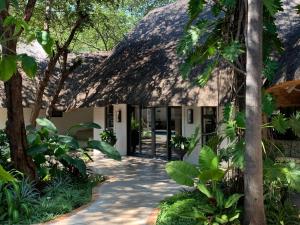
[{"x": 180, "y": 152}]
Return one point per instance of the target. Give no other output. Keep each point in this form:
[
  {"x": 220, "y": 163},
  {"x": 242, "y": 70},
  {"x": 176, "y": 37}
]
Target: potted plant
[
  {"x": 179, "y": 145},
  {"x": 109, "y": 137},
  {"x": 134, "y": 133},
  {"x": 185, "y": 145}
]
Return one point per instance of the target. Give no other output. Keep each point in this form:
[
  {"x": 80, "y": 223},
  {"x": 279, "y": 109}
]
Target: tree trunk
[
  {"x": 253, "y": 179},
  {"x": 15, "y": 126}
]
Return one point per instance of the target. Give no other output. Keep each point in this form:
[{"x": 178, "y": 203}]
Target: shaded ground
[{"x": 135, "y": 188}]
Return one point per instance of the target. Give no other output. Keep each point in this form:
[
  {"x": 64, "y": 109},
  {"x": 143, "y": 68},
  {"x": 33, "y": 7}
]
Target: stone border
[
  {"x": 153, "y": 217},
  {"x": 95, "y": 196}
]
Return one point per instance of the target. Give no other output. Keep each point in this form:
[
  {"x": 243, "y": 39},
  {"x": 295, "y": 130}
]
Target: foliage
[
  {"x": 53, "y": 152},
  {"x": 217, "y": 208},
  {"x": 187, "y": 144},
  {"x": 208, "y": 42},
  {"x": 108, "y": 136}
]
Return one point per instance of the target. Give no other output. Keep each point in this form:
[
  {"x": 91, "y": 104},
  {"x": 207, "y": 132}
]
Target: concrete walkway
[{"x": 135, "y": 188}]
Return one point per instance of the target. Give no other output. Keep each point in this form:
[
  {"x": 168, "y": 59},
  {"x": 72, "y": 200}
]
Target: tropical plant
[
  {"x": 183, "y": 145},
  {"x": 108, "y": 136},
  {"x": 219, "y": 208},
  {"x": 52, "y": 152}
]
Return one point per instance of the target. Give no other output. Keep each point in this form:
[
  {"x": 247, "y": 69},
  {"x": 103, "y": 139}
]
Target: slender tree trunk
[
  {"x": 65, "y": 74},
  {"x": 51, "y": 65},
  {"x": 15, "y": 122},
  {"x": 253, "y": 179}
]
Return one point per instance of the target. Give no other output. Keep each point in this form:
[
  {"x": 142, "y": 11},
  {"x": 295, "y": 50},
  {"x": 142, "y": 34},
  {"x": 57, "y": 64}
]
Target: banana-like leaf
[
  {"x": 105, "y": 148},
  {"x": 182, "y": 172}
]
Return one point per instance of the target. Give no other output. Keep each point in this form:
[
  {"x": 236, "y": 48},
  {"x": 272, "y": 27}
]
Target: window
[
  {"x": 209, "y": 123},
  {"x": 109, "y": 117},
  {"x": 57, "y": 113}
]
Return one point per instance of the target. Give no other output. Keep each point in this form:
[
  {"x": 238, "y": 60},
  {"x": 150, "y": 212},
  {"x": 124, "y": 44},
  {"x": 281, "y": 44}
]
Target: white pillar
[
  {"x": 120, "y": 128},
  {"x": 188, "y": 130}
]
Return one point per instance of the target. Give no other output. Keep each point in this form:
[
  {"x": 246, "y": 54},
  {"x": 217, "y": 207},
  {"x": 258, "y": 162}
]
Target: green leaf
[
  {"x": 223, "y": 219},
  {"x": 294, "y": 123},
  {"x": 105, "y": 148},
  {"x": 270, "y": 68},
  {"x": 240, "y": 119},
  {"x": 80, "y": 126},
  {"x": 234, "y": 217},
  {"x": 5, "y": 176},
  {"x": 35, "y": 150},
  {"x": 228, "y": 112},
  {"x": 46, "y": 41},
  {"x": 8, "y": 67},
  {"x": 78, "y": 163},
  {"x": 182, "y": 172},
  {"x": 29, "y": 65},
  {"x": 208, "y": 159},
  {"x": 219, "y": 197},
  {"x": 195, "y": 8},
  {"x": 268, "y": 103},
  {"x": 272, "y": 6},
  {"x": 69, "y": 141},
  {"x": 232, "y": 200},
  {"x": 203, "y": 78},
  {"x": 47, "y": 124},
  {"x": 230, "y": 129},
  {"x": 280, "y": 123},
  {"x": 202, "y": 187},
  {"x": 232, "y": 51},
  {"x": 238, "y": 153}
]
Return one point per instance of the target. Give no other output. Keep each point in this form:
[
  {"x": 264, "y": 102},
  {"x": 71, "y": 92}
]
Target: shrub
[{"x": 109, "y": 137}]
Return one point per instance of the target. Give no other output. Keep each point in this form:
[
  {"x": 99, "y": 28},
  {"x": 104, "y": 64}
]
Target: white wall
[
  {"x": 27, "y": 114},
  {"x": 99, "y": 118},
  {"x": 188, "y": 130},
  {"x": 81, "y": 115},
  {"x": 120, "y": 128}
]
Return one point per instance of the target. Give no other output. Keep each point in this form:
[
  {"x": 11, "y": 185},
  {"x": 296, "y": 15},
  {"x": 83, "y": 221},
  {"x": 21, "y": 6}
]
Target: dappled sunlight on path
[{"x": 134, "y": 189}]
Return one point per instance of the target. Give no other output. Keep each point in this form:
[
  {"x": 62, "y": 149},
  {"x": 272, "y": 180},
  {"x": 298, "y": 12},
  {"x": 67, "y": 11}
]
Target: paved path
[{"x": 135, "y": 188}]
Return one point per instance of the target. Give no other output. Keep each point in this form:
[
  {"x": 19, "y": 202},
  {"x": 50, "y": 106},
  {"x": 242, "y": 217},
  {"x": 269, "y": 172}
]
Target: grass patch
[{"x": 176, "y": 210}]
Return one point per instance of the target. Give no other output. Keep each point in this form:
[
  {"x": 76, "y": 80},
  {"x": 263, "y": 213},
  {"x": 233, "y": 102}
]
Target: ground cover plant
[{"x": 64, "y": 181}]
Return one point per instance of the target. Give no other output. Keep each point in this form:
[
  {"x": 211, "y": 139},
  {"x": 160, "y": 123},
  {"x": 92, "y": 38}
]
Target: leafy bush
[
  {"x": 109, "y": 137},
  {"x": 53, "y": 152},
  {"x": 217, "y": 207}
]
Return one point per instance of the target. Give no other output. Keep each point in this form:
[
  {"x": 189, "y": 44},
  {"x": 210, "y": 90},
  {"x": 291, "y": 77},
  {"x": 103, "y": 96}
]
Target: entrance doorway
[{"x": 156, "y": 126}]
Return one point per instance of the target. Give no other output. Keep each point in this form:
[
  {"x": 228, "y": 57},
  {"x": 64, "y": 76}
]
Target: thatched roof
[
  {"x": 144, "y": 67},
  {"x": 75, "y": 80},
  {"x": 286, "y": 85}
]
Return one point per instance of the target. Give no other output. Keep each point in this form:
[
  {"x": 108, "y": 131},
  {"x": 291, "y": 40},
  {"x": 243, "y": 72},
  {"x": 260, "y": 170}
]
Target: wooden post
[
  {"x": 169, "y": 150},
  {"x": 140, "y": 128},
  {"x": 153, "y": 132},
  {"x": 128, "y": 121}
]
